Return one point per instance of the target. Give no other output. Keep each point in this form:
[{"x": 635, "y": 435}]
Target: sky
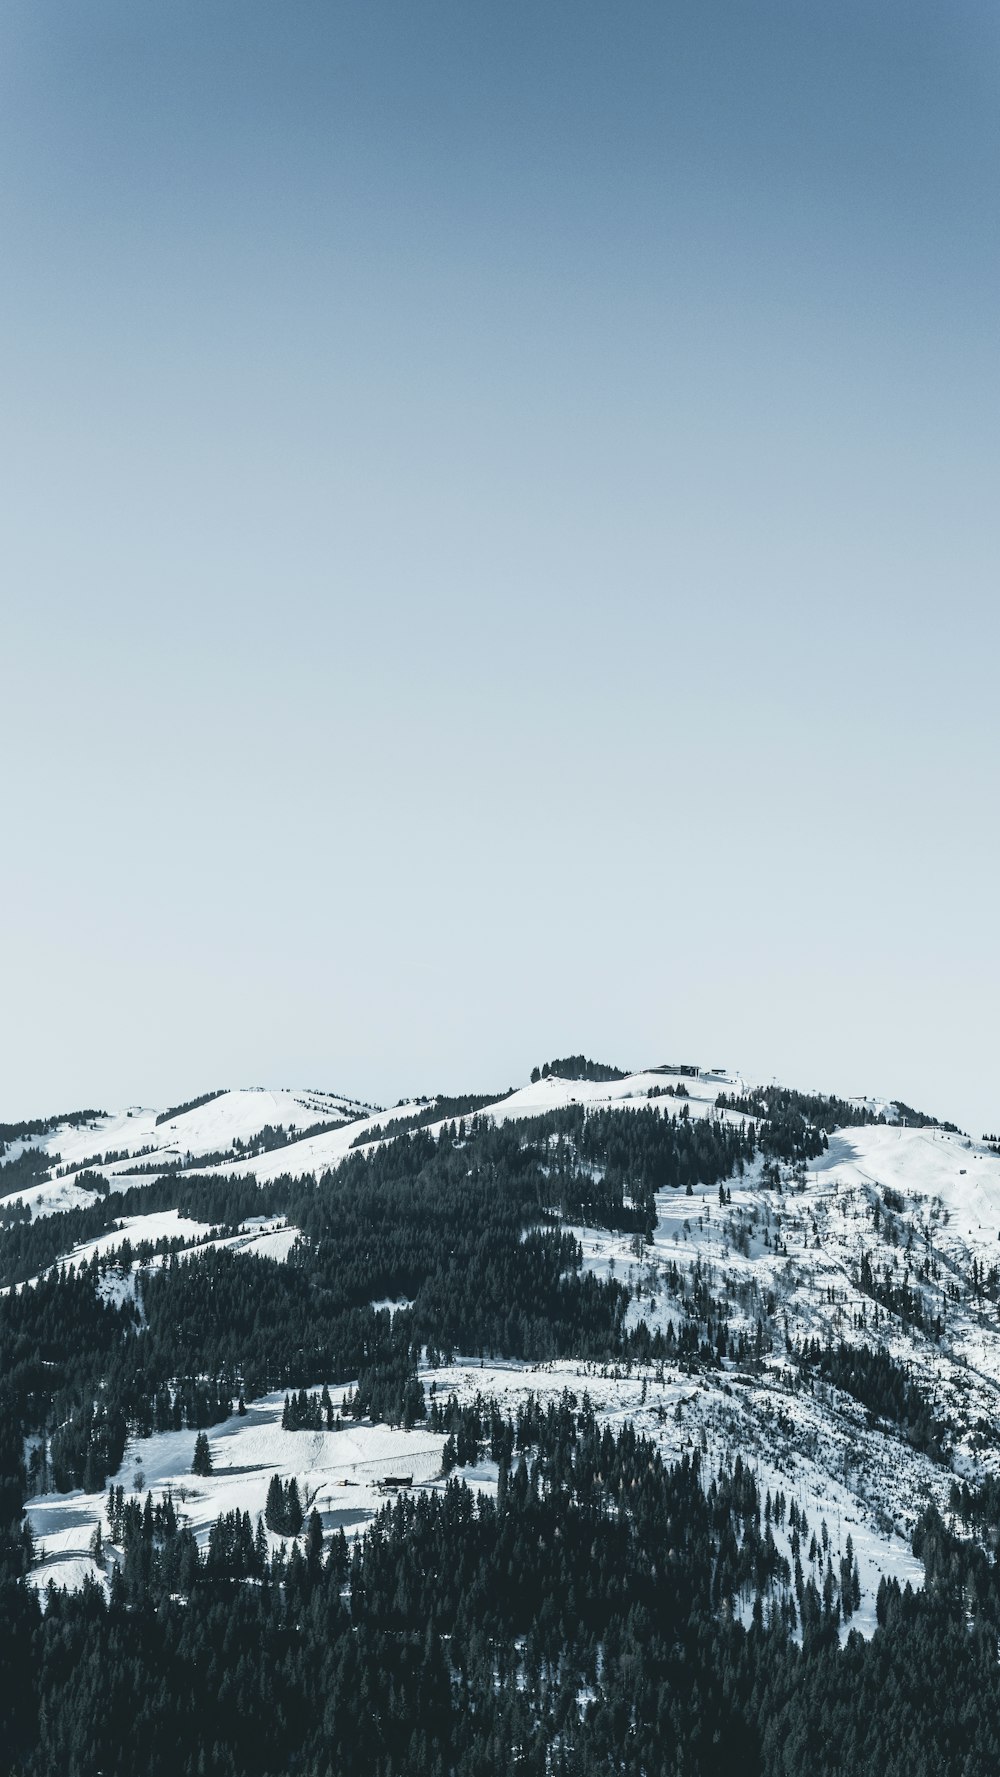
[{"x": 498, "y": 545}]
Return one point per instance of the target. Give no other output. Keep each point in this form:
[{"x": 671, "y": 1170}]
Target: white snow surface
[
  {"x": 182, "y": 1140},
  {"x": 336, "y": 1472}
]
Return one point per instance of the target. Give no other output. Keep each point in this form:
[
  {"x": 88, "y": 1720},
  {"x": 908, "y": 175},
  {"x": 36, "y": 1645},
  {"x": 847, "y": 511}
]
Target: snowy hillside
[
  {"x": 748, "y": 1296},
  {"x": 136, "y": 1142},
  {"x": 314, "y": 1131}
]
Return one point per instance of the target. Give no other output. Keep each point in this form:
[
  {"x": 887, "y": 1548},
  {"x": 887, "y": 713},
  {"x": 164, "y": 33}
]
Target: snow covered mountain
[
  {"x": 832, "y": 1319},
  {"x": 211, "y": 1131}
]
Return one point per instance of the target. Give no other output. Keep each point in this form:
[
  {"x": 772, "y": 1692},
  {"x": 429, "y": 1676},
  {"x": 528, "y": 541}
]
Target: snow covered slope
[
  {"x": 887, "y": 1243},
  {"x": 207, "y": 1134},
  {"x": 202, "y": 1139},
  {"x": 316, "y": 1155},
  {"x": 338, "y": 1472}
]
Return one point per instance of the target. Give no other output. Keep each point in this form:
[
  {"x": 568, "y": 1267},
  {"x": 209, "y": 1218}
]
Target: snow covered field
[{"x": 336, "y": 1472}]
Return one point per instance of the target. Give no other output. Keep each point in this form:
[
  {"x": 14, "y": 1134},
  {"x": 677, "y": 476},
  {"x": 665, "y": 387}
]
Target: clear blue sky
[{"x": 499, "y": 545}]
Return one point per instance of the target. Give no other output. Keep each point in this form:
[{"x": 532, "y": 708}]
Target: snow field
[
  {"x": 336, "y": 1472},
  {"x": 207, "y": 1129},
  {"x": 267, "y": 1236}
]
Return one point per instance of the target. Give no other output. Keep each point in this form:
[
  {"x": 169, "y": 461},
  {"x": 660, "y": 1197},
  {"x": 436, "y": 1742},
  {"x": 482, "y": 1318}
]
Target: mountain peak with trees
[{"x": 521, "y": 1397}]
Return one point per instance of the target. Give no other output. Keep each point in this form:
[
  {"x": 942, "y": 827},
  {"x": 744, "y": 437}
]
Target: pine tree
[
  {"x": 274, "y": 1510},
  {"x": 314, "y": 1541},
  {"x": 293, "y": 1509},
  {"x": 202, "y": 1461}
]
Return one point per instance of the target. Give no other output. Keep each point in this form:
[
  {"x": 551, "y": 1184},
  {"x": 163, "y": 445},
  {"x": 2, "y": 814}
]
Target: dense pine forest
[
  {"x": 584, "y": 1621},
  {"x": 605, "y": 1611}
]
